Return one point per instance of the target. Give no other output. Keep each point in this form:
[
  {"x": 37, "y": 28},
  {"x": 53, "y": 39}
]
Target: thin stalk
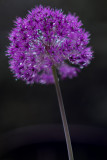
[{"x": 63, "y": 115}]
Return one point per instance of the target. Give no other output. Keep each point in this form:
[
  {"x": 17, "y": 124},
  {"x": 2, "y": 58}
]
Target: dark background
[{"x": 30, "y": 123}]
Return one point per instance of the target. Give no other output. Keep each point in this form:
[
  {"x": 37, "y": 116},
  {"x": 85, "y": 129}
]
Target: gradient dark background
[{"x": 30, "y": 123}]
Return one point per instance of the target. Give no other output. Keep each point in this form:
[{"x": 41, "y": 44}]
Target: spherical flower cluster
[{"x": 47, "y": 37}]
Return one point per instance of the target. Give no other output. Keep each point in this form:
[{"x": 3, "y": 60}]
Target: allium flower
[{"x": 47, "y": 37}]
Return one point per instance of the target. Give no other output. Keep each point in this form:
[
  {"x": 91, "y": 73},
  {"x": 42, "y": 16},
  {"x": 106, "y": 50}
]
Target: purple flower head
[{"x": 47, "y": 37}]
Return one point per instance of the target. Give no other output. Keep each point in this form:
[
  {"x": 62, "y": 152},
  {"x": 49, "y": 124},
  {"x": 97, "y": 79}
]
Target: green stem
[{"x": 63, "y": 115}]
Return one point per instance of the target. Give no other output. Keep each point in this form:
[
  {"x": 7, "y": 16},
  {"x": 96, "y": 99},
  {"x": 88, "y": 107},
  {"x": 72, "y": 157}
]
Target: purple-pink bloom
[{"x": 47, "y": 37}]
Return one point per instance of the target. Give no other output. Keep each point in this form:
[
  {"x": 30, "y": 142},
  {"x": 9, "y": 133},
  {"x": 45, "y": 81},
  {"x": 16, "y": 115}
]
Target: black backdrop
[{"x": 30, "y": 123}]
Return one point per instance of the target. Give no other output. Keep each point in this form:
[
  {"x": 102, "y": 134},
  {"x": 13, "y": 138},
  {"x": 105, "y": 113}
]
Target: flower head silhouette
[{"x": 47, "y": 37}]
